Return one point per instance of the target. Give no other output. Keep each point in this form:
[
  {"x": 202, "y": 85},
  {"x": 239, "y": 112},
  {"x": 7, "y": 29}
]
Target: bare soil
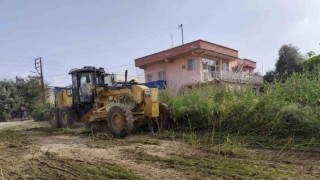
[
  {"x": 24, "y": 124},
  {"x": 40, "y": 152}
]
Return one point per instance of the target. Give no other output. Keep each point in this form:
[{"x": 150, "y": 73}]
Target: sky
[{"x": 71, "y": 34}]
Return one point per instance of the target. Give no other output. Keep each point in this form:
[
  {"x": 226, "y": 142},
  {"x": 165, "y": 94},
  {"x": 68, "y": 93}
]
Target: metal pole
[
  {"x": 36, "y": 62},
  {"x": 181, "y": 27},
  {"x": 42, "y": 83}
]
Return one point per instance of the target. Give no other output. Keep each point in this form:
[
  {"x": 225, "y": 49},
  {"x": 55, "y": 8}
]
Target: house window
[
  {"x": 209, "y": 68},
  {"x": 224, "y": 67},
  {"x": 149, "y": 78},
  {"x": 162, "y": 75},
  {"x": 192, "y": 64},
  {"x": 204, "y": 66}
]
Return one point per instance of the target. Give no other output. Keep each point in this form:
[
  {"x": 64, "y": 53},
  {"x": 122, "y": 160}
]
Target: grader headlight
[{"x": 147, "y": 93}]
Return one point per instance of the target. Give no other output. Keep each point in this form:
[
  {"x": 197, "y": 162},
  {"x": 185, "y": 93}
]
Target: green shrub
[
  {"x": 10, "y": 102},
  {"x": 312, "y": 63},
  {"x": 284, "y": 109},
  {"x": 42, "y": 112}
]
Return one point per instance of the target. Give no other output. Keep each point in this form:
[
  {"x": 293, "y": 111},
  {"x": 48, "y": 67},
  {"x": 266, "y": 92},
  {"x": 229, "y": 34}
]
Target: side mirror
[{"x": 87, "y": 79}]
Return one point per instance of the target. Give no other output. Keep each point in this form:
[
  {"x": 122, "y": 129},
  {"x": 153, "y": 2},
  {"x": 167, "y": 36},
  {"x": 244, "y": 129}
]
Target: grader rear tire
[
  {"x": 120, "y": 120},
  {"x": 67, "y": 117},
  {"x": 54, "y": 118},
  {"x": 164, "y": 121}
]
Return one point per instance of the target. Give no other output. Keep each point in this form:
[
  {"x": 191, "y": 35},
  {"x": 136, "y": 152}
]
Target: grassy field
[
  {"x": 45, "y": 153},
  {"x": 218, "y": 134},
  {"x": 289, "y": 109}
]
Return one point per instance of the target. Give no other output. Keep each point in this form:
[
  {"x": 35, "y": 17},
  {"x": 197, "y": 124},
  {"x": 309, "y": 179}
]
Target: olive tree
[
  {"x": 10, "y": 100},
  {"x": 289, "y": 61}
]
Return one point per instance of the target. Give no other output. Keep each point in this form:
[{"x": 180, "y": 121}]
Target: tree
[
  {"x": 269, "y": 76},
  {"x": 289, "y": 62},
  {"x": 10, "y": 101},
  {"x": 310, "y": 54},
  {"x": 312, "y": 63},
  {"x": 23, "y": 92},
  {"x": 30, "y": 92}
]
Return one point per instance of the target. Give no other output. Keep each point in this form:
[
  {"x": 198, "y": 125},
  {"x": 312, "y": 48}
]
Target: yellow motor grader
[{"x": 90, "y": 100}]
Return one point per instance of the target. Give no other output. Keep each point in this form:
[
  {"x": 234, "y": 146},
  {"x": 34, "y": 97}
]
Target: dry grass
[
  {"x": 163, "y": 155},
  {"x": 236, "y": 166},
  {"x": 21, "y": 159}
]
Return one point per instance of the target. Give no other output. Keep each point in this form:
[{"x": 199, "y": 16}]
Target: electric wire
[{"x": 24, "y": 59}]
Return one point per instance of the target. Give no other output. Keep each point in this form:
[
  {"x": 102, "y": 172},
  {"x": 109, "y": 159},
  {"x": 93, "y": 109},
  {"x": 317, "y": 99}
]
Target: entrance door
[{"x": 224, "y": 71}]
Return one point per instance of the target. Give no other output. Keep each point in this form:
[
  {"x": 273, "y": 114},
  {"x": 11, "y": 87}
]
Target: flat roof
[{"x": 186, "y": 48}]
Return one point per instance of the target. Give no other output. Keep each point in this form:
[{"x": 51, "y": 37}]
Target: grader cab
[{"x": 90, "y": 100}]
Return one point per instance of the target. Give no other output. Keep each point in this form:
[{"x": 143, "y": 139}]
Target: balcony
[{"x": 236, "y": 77}]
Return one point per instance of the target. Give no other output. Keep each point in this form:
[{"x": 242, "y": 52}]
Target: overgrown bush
[
  {"x": 42, "y": 112},
  {"x": 9, "y": 101},
  {"x": 312, "y": 63},
  {"x": 284, "y": 109},
  {"x": 24, "y": 93}
]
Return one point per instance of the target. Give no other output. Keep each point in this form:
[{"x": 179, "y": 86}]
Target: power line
[
  {"x": 15, "y": 57},
  {"x": 114, "y": 67},
  {"x": 100, "y": 44},
  {"x": 15, "y": 60},
  {"x": 18, "y": 60},
  {"x": 104, "y": 43},
  {"x": 125, "y": 65},
  {"x": 57, "y": 75}
]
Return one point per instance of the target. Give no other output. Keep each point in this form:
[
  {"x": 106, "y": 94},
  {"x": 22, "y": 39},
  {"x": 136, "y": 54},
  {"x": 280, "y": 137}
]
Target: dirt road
[
  {"x": 25, "y": 124},
  {"x": 71, "y": 145},
  {"x": 32, "y": 150}
]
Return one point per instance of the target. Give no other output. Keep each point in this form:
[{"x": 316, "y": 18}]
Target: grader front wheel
[{"x": 120, "y": 120}]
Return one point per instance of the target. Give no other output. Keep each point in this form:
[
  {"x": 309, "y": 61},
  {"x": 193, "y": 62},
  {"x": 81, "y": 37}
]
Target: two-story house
[{"x": 198, "y": 62}]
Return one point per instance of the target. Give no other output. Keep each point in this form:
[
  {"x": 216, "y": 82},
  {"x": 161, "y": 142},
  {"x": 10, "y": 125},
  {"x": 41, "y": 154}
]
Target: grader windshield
[
  {"x": 86, "y": 84},
  {"x": 83, "y": 80}
]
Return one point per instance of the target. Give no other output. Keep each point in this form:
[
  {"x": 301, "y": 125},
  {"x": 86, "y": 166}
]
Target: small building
[
  {"x": 52, "y": 93},
  {"x": 198, "y": 62}
]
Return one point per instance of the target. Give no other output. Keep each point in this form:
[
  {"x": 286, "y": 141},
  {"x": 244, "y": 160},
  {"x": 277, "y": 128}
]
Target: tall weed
[{"x": 284, "y": 109}]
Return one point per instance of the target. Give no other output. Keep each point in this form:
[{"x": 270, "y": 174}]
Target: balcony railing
[{"x": 230, "y": 76}]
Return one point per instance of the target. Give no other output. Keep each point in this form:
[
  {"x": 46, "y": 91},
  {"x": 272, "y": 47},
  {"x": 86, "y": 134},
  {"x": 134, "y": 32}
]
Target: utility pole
[
  {"x": 171, "y": 41},
  {"x": 181, "y": 27},
  {"x": 38, "y": 67}
]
